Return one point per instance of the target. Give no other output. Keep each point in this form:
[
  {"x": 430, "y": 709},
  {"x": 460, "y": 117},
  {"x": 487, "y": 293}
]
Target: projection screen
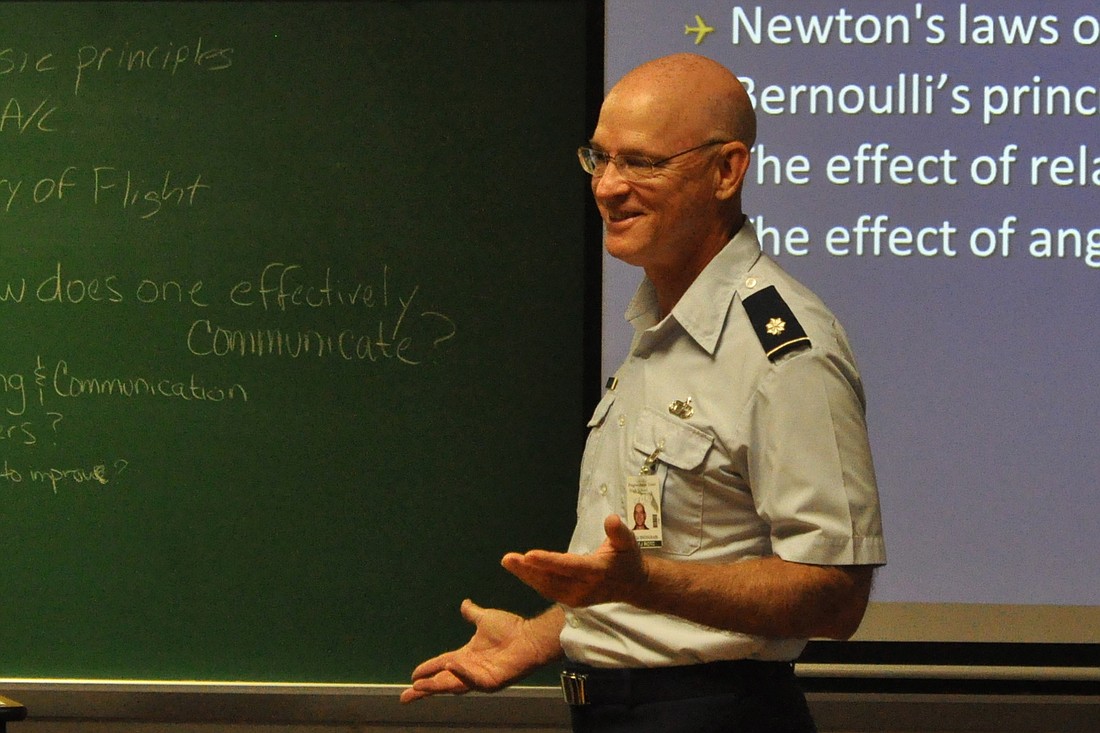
[{"x": 931, "y": 170}]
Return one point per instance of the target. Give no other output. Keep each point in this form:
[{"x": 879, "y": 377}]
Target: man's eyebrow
[{"x": 635, "y": 152}]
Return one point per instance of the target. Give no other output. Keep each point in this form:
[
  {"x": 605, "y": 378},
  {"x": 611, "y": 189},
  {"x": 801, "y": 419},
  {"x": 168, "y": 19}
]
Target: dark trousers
[{"x": 722, "y": 697}]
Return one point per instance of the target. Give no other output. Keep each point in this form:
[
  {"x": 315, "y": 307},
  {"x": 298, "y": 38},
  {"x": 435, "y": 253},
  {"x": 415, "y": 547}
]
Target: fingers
[
  {"x": 443, "y": 674},
  {"x": 555, "y": 577},
  {"x": 442, "y": 683},
  {"x": 621, "y": 537},
  {"x": 546, "y": 560},
  {"x": 432, "y": 667},
  {"x": 471, "y": 611},
  {"x": 466, "y": 680},
  {"x": 581, "y": 580},
  {"x": 552, "y": 577},
  {"x": 411, "y": 694}
]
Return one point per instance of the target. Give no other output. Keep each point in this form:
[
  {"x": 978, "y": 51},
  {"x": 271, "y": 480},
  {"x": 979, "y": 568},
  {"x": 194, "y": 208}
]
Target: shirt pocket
[{"x": 682, "y": 450}]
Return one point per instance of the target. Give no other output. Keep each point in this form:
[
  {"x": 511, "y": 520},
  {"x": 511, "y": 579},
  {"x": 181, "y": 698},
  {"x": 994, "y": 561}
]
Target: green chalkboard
[{"x": 292, "y": 306}]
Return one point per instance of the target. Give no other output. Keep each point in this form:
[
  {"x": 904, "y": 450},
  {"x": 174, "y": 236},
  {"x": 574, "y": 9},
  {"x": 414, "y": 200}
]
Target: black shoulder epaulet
[{"x": 776, "y": 327}]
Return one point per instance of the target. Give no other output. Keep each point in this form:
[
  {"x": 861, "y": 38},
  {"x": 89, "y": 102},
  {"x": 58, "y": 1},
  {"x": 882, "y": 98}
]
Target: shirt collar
[{"x": 701, "y": 311}]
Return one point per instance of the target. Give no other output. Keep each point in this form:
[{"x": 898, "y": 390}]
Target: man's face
[{"x": 658, "y": 221}]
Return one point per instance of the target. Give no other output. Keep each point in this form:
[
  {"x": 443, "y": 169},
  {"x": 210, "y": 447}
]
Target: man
[{"x": 739, "y": 410}]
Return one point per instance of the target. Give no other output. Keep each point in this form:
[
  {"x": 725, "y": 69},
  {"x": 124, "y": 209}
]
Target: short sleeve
[{"x": 810, "y": 466}]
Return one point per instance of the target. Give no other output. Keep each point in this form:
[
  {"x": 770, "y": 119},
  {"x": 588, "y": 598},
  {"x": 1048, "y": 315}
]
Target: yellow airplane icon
[{"x": 701, "y": 30}]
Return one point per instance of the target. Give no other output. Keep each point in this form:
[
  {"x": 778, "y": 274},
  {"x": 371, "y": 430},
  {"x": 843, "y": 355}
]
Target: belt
[{"x": 585, "y": 685}]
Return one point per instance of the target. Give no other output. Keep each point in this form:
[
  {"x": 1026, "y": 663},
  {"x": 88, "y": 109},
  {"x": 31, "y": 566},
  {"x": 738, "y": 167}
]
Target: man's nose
[{"x": 611, "y": 183}]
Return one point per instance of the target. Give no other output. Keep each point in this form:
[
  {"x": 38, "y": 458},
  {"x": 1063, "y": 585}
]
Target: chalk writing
[
  {"x": 168, "y": 58},
  {"x": 18, "y": 61},
  {"x": 61, "y": 287},
  {"x": 19, "y": 433},
  {"x": 206, "y": 338},
  {"x": 119, "y": 188},
  {"x": 396, "y": 331},
  {"x": 286, "y": 286},
  {"x": 19, "y": 423},
  {"x": 95, "y": 475},
  {"x": 58, "y": 288},
  {"x": 371, "y": 318},
  {"x": 280, "y": 288},
  {"x": 14, "y": 384},
  {"x": 30, "y": 403},
  {"x": 27, "y": 115},
  {"x": 192, "y": 388},
  {"x": 129, "y": 192}
]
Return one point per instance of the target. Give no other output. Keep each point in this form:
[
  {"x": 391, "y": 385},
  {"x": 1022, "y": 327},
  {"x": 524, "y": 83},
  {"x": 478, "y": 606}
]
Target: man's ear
[{"x": 733, "y": 166}]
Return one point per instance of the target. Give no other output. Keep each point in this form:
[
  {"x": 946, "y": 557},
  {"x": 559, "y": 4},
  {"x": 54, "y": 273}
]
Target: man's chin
[{"x": 622, "y": 248}]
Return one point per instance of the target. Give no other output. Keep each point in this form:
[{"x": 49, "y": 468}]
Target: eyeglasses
[{"x": 630, "y": 167}]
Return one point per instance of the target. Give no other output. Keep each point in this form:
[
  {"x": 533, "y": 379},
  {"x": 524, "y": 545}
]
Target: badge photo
[{"x": 643, "y": 510}]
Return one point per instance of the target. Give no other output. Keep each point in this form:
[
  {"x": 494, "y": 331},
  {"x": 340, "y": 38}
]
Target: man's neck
[{"x": 670, "y": 283}]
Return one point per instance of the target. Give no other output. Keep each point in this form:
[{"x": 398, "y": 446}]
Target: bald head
[
  {"x": 693, "y": 119},
  {"x": 692, "y": 96}
]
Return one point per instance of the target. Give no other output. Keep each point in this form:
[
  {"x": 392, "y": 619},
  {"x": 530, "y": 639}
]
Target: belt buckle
[{"x": 573, "y": 688}]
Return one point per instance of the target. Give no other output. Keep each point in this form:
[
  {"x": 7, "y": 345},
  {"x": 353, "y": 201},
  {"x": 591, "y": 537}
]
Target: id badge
[{"x": 643, "y": 509}]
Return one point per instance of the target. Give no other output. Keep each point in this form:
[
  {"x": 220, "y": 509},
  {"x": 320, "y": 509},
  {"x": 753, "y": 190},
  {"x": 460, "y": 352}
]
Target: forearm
[
  {"x": 764, "y": 597},
  {"x": 543, "y": 632}
]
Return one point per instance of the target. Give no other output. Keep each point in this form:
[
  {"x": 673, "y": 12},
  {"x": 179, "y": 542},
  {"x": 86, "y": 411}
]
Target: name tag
[{"x": 643, "y": 509}]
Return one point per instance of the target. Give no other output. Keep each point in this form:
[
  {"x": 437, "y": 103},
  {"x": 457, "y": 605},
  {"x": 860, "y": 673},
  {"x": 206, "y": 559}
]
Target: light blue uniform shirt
[{"x": 773, "y": 460}]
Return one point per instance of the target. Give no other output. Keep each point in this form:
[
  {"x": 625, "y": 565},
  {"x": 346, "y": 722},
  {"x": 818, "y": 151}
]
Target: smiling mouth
[{"x": 616, "y": 217}]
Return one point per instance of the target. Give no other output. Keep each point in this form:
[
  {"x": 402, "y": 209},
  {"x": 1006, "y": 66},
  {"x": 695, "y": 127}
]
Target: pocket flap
[{"x": 682, "y": 445}]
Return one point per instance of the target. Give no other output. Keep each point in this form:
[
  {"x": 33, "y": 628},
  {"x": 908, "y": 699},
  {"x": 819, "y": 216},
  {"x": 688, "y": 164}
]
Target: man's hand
[
  {"x": 612, "y": 573},
  {"x": 504, "y": 648}
]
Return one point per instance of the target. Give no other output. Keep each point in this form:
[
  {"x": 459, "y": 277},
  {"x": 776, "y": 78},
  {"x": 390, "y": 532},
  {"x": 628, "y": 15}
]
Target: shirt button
[
  {"x": 603, "y": 489},
  {"x": 622, "y": 420},
  {"x": 750, "y": 282}
]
